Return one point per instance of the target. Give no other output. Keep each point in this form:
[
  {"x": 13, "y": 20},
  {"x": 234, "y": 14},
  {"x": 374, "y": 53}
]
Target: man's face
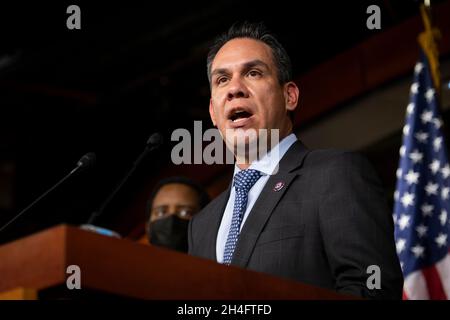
[
  {"x": 246, "y": 93},
  {"x": 174, "y": 198}
]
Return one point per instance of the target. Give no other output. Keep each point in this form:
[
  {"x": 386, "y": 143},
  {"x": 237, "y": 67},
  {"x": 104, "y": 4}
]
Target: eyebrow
[
  {"x": 246, "y": 66},
  {"x": 177, "y": 206},
  {"x": 160, "y": 207}
]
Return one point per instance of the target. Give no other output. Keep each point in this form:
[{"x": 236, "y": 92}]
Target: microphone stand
[{"x": 86, "y": 161}]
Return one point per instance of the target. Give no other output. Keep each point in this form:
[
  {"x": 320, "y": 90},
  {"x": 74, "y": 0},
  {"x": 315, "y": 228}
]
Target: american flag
[{"x": 422, "y": 199}]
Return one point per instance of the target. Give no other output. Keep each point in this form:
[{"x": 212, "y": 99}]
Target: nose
[{"x": 237, "y": 89}]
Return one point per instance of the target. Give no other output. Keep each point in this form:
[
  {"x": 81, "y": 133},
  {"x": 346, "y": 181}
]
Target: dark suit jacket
[{"x": 327, "y": 224}]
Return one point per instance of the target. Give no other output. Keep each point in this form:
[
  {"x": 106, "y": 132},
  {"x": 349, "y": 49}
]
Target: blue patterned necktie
[{"x": 243, "y": 182}]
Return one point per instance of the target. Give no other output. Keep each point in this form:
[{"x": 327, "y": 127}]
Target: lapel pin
[{"x": 278, "y": 186}]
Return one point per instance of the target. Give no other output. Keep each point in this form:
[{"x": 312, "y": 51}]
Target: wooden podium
[{"x": 120, "y": 268}]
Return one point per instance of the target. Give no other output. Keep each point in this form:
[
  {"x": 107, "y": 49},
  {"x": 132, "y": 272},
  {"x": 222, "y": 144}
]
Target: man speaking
[{"x": 316, "y": 216}]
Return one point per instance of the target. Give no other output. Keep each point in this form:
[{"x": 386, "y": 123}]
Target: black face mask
[{"x": 170, "y": 232}]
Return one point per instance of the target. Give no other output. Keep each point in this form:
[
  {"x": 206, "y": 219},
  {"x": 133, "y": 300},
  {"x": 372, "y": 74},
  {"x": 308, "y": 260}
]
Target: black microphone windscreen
[{"x": 155, "y": 140}]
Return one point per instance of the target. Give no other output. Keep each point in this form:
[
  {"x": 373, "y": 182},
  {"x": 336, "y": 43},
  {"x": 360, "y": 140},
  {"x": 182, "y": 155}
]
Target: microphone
[
  {"x": 86, "y": 161},
  {"x": 153, "y": 143}
]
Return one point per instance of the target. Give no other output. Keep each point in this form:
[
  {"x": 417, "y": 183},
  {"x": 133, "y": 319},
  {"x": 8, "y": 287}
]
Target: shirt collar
[{"x": 268, "y": 164}]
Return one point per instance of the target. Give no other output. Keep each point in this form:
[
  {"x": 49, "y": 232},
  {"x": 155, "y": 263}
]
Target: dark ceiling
[{"x": 132, "y": 69}]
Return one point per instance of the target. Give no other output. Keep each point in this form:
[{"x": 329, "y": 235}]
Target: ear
[
  {"x": 291, "y": 94},
  {"x": 211, "y": 113}
]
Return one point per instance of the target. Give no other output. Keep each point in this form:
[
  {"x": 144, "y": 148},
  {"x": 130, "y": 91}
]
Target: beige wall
[{"x": 369, "y": 119}]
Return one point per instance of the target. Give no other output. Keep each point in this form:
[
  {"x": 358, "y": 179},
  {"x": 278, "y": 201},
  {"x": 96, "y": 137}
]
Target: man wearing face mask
[{"x": 172, "y": 204}]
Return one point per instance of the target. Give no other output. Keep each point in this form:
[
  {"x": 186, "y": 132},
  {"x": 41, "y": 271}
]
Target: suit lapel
[
  {"x": 266, "y": 203},
  {"x": 216, "y": 218}
]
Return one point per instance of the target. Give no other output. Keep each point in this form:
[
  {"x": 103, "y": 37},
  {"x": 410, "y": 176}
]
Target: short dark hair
[
  {"x": 256, "y": 31},
  {"x": 203, "y": 197}
]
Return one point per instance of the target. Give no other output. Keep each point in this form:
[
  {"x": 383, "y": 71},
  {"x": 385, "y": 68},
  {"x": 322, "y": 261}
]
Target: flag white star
[
  {"x": 427, "y": 209},
  {"x": 431, "y": 188},
  {"x": 421, "y": 230},
  {"x": 441, "y": 240},
  {"x": 400, "y": 245},
  {"x": 445, "y": 171},
  {"x": 443, "y": 217},
  {"x": 396, "y": 195},
  {"x": 402, "y": 151},
  {"x": 415, "y": 88},
  {"x": 434, "y": 166},
  {"x": 429, "y": 95},
  {"x": 399, "y": 173},
  {"x": 418, "y": 67},
  {"x": 403, "y": 221},
  {"x": 416, "y": 156},
  {"x": 412, "y": 177},
  {"x": 437, "y": 143},
  {"x": 407, "y": 199},
  {"x": 437, "y": 123},
  {"x": 422, "y": 137},
  {"x": 444, "y": 193},
  {"x": 410, "y": 108},
  {"x": 418, "y": 251},
  {"x": 426, "y": 116},
  {"x": 406, "y": 129}
]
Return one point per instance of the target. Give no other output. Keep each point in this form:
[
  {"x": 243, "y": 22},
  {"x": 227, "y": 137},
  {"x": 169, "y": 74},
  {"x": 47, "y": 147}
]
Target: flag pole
[{"x": 427, "y": 40}]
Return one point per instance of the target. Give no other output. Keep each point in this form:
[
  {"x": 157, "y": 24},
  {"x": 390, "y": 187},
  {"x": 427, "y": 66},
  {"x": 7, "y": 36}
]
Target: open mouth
[{"x": 239, "y": 115}]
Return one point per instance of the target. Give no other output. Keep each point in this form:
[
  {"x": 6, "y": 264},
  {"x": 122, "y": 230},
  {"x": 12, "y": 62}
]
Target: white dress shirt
[{"x": 267, "y": 165}]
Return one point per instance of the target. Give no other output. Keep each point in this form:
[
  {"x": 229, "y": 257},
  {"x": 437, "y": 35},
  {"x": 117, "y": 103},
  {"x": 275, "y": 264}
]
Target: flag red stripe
[
  {"x": 405, "y": 297},
  {"x": 434, "y": 284}
]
